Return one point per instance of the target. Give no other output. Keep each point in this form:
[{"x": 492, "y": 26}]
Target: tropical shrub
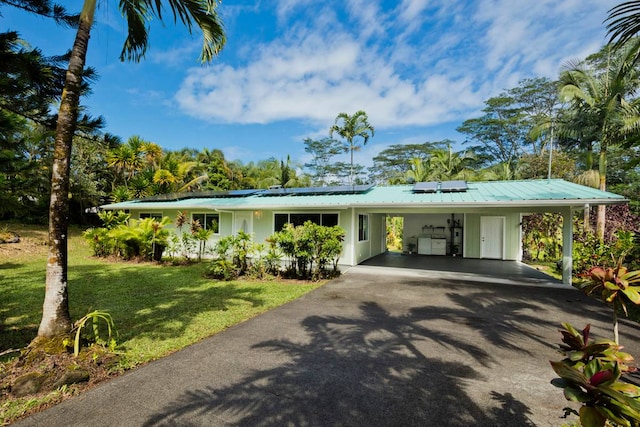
[
  {"x": 590, "y": 374},
  {"x": 221, "y": 269},
  {"x": 616, "y": 286},
  {"x": 144, "y": 238},
  {"x": 309, "y": 249},
  {"x": 541, "y": 236}
]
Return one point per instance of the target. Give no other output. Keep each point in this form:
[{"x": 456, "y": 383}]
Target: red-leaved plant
[
  {"x": 591, "y": 374},
  {"x": 615, "y": 286}
]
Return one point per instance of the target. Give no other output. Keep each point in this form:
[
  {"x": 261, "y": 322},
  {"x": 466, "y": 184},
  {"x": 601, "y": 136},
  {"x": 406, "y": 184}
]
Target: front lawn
[{"x": 157, "y": 309}]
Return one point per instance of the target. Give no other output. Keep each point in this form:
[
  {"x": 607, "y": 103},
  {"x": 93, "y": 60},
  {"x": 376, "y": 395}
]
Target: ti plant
[
  {"x": 590, "y": 374},
  {"x": 615, "y": 286}
]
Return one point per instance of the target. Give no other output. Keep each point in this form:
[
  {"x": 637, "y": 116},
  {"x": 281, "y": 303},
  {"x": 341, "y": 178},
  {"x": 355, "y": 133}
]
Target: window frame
[
  {"x": 205, "y": 222},
  {"x": 289, "y": 213},
  {"x": 363, "y": 227},
  {"x": 155, "y": 215}
]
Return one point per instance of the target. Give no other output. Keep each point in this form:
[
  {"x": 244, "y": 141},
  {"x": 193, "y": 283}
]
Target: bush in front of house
[
  {"x": 128, "y": 239},
  {"x": 311, "y": 251},
  {"x": 310, "y": 248}
]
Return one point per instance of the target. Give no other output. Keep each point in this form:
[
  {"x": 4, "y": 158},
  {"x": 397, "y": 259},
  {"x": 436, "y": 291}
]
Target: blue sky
[{"x": 419, "y": 68}]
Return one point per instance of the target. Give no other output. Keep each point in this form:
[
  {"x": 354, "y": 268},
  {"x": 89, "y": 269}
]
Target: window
[
  {"x": 363, "y": 228},
  {"x": 207, "y": 221},
  {"x": 326, "y": 219},
  {"x": 155, "y": 215}
]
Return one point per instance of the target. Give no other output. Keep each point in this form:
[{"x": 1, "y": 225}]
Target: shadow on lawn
[
  {"x": 144, "y": 300},
  {"x": 377, "y": 369},
  {"x": 156, "y": 301}
]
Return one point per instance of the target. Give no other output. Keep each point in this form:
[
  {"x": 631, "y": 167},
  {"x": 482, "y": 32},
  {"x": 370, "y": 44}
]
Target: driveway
[{"x": 383, "y": 347}]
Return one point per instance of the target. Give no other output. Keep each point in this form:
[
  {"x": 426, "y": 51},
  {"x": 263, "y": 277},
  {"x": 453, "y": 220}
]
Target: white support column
[{"x": 567, "y": 246}]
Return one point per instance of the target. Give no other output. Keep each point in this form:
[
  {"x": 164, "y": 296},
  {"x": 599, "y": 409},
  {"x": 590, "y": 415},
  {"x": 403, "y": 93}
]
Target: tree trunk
[
  {"x": 55, "y": 311},
  {"x": 601, "y": 218}
]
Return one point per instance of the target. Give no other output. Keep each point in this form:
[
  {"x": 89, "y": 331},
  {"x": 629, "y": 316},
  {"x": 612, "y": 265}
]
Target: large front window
[
  {"x": 207, "y": 221},
  {"x": 326, "y": 219},
  {"x": 155, "y": 215}
]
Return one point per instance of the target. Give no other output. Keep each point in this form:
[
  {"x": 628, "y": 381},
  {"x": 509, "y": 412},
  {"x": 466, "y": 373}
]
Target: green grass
[{"x": 157, "y": 309}]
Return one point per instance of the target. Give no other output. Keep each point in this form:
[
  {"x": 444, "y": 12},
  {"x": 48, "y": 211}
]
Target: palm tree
[
  {"x": 601, "y": 99},
  {"x": 447, "y": 164},
  {"x": 418, "y": 170},
  {"x": 351, "y": 127},
  {"x": 55, "y": 314},
  {"x": 623, "y": 23}
]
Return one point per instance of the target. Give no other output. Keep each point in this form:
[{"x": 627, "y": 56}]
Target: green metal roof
[{"x": 525, "y": 193}]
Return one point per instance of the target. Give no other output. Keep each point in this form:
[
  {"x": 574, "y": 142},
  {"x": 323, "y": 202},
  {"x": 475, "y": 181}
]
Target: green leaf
[
  {"x": 632, "y": 294},
  {"x": 576, "y": 394},
  {"x": 626, "y": 388},
  {"x": 569, "y": 374},
  {"x": 590, "y": 417}
]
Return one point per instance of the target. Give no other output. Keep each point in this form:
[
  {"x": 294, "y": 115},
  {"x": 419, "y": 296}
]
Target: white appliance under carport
[{"x": 428, "y": 245}]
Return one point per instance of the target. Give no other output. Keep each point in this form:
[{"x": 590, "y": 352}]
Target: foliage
[
  {"x": 350, "y": 127},
  {"x": 392, "y": 163},
  {"x": 324, "y": 169},
  {"x": 506, "y": 130},
  {"x": 95, "y": 317},
  {"x": 144, "y": 238},
  {"x": 310, "y": 248},
  {"x": 616, "y": 286},
  {"x": 395, "y": 226},
  {"x": 590, "y": 374},
  {"x": 541, "y": 236},
  {"x": 222, "y": 269},
  {"x": 589, "y": 251}
]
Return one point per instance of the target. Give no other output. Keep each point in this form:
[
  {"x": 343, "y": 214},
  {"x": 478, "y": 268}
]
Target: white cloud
[{"x": 425, "y": 63}]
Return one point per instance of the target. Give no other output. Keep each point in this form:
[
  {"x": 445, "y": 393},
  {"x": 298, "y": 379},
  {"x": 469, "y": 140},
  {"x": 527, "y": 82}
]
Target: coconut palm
[
  {"x": 351, "y": 127},
  {"x": 201, "y": 13},
  {"x": 604, "y": 101}
]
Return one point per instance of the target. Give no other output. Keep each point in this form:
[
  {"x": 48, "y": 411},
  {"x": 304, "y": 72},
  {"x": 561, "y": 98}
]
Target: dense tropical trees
[
  {"x": 55, "y": 318},
  {"x": 392, "y": 163},
  {"x": 350, "y": 127},
  {"x": 602, "y": 107},
  {"x": 324, "y": 170}
]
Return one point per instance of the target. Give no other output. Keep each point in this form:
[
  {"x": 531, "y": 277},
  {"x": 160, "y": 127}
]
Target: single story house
[{"x": 472, "y": 220}]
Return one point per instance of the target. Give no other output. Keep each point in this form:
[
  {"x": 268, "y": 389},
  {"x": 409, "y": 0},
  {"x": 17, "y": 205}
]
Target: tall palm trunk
[
  {"x": 601, "y": 218},
  {"x": 55, "y": 312}
]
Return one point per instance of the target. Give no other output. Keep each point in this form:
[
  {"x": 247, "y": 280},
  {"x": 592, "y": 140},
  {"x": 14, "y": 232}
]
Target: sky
[{"x": 418, "y": 68}]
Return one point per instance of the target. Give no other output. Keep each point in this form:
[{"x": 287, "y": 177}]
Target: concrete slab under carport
[{"x": 465, "y": 269}]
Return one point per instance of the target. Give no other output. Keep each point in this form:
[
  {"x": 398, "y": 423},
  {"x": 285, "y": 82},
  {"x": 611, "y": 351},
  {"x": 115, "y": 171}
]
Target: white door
[
  {"x": 492, "y": 237},
  {"x": 243, "y": 221}
]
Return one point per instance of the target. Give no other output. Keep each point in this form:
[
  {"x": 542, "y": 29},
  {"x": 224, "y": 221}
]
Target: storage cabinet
[
  {"x": 438, "y": 246},
  {"x": 424, "y": 245}
]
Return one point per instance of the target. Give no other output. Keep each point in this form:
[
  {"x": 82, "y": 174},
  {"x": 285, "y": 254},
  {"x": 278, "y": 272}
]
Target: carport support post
[{"x": 567, "y": 246}]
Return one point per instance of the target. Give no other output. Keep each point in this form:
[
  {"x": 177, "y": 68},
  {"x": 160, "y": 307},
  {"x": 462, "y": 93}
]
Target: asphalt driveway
[{"x": 374, "y": 347}]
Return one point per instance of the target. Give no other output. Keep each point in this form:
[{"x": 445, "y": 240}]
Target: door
[
  {"x": 243, "y": 221},
  {"x": 492, "y": 237}
]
